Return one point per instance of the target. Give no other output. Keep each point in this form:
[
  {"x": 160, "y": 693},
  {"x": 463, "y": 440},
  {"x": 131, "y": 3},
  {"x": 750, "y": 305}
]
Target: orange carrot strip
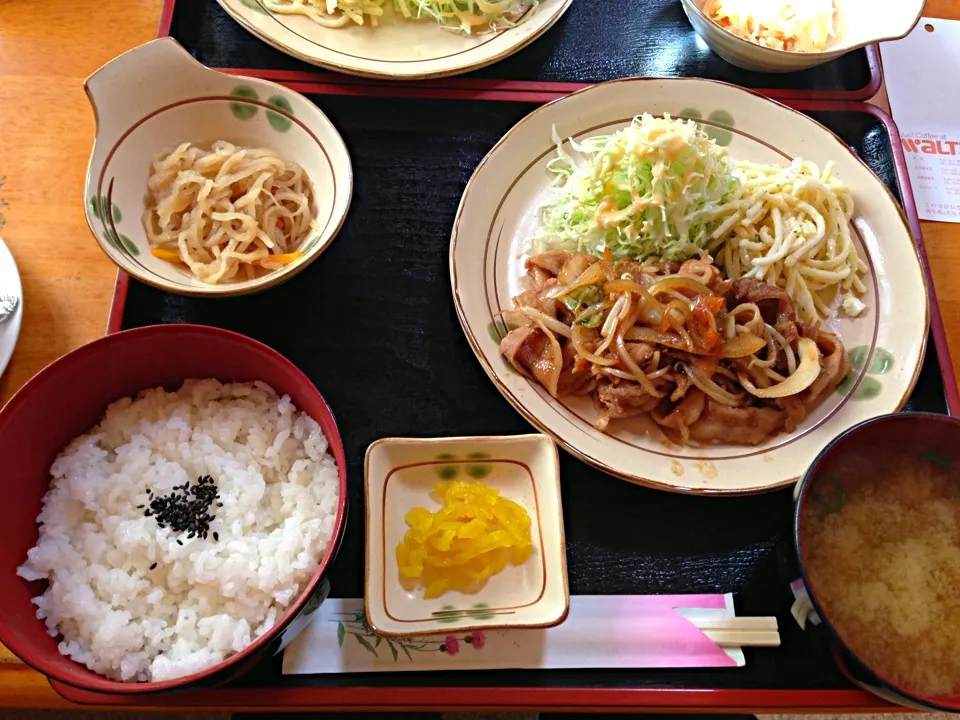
[
  {"x": 284, "y": 259},
  {"x": 171, "y": 256}
]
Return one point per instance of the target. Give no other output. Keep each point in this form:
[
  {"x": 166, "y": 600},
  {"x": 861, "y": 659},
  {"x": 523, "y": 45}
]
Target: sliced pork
[
  {"x": 738, "y": 426},
  {"x": 611, "y": 339}
]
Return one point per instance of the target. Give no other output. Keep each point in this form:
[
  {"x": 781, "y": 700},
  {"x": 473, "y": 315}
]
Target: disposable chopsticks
[
  {"x": 740, "y": 631},
  {"x": 725, "y": 632}
]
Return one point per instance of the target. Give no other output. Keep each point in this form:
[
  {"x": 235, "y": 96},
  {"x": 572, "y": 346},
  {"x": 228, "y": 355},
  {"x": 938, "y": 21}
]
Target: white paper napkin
[
  {"x": 922, "y": 74},
  {"x": 609, "y": 631}
]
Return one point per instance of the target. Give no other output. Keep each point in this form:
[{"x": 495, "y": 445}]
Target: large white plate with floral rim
[
  {"x": 490, "y": 242},
  {"x": 397, "y": 48}
]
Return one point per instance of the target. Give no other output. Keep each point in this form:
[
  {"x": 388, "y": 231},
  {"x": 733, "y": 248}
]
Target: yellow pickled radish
[{"x": 474, "y": 536}]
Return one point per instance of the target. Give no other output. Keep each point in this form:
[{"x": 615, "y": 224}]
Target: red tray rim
[
  {"x": 514, "y": 699},
  {"x": 505, "y": 88}
]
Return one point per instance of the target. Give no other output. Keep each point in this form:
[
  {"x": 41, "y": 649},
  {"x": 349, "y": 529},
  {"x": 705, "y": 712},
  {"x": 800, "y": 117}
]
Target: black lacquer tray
[{"x": 372, "y": 324}]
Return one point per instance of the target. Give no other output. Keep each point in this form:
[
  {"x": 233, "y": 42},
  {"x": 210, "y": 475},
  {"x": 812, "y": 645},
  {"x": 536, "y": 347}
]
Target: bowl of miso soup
[{"x": 877, "y": 533}]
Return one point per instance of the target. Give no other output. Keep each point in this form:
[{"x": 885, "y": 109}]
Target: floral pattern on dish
[{"x": 355, "y": 625}]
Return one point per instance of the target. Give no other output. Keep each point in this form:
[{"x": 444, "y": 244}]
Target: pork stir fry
[{"x": 709, "y": 360}]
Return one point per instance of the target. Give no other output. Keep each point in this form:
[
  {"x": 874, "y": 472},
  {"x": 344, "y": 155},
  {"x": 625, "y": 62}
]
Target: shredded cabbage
[
  {"x": 654, "y": 188},
  {"x": 467, "y": 16}
]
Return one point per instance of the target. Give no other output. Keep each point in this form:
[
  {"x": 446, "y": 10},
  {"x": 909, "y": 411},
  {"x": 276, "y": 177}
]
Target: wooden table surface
[{"x": 47, "y": 127}]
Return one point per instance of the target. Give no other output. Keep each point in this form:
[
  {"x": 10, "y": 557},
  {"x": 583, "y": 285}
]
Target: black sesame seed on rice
[
  {"x": 153, "y": 567},
  {"x": 187, "y": 508}
]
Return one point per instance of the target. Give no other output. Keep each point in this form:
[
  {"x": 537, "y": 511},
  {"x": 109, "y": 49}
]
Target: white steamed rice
[{"x": 206, "y": 599}]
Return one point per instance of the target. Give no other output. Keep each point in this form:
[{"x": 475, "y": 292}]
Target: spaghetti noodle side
[
  {"x": 228, "y": 213},
  {"x": 330, "y": 13}
]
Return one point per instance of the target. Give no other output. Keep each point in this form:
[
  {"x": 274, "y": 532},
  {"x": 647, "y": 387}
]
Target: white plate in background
[
  {"x": 396, "y": 48},
  {"x": 9, "y": 285}
]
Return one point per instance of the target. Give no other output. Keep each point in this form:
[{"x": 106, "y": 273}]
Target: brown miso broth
[{"x": 880, "y": 541}]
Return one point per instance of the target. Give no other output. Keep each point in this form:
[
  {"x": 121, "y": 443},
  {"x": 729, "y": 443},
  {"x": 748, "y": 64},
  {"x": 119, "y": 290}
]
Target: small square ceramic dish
[{"x": 400, "y": 475}]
